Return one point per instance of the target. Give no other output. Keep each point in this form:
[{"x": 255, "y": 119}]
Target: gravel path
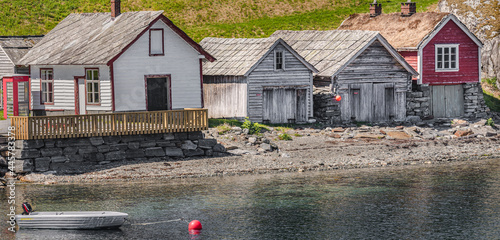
[{"x": 325, "y": 149}]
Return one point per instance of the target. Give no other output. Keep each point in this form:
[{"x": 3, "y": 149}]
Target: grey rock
[
  {"x": 58, "y": 159},
  {"x": 104, "y": 162},
  {"x": 87, "y": 150},
  {"x": 209, "y": 152},
  {"x": 42, "y": 164},
  {"x": 115, "y": 156},
  {"x": 195, "y": 152},
  {"x": 70, "y": 150},
  {"x": 50, "y": 152},
  {"x": 165, "y": 144},
  {"x": 195, "y": 135},
  {"x": 93, "y": 157},
  {"x": 266, "y": 147},
  {"x": 207, "y": 143},
  {"x": 154, "y": 152},
  {"x": 188, "y": 145},
  {"x": 174, "y": 152},
  {"x": 252, "y": 140},
  {"x": 96, "y": 141},
  {"x": 25, "y": 154},
  {"x": 219, "y": 148},
  {"x": 220, "y": 154},
  {"x": 168, "y": 136},
  {"x": 30, "y": 143},
  {"x": 245, "y": 131},
  {"x": 132, "y": 138},
  {"x": 3, "y": 162},
  {"x": 413, "y": 119},
  {"x": 49, "y": 143},
  {"x": 153, "y": 137},
  {"x": 75, "y": 158},
  {"x": 112, "y": 139},
  {"x": 103, "y": 148},
  {"x": 134, "y": 145},
  {"x": 181, "y": 136},
  {"x": 148, "y": 144},
  {"x": 118, "y": 147},
  {"x": 135, "y": 153}
]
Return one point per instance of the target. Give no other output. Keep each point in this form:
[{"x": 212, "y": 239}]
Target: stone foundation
[
  {"x": 474, "y": 104},
  {"x": 326, "y": 108},
  {"x": 418, "y": 101},
  {"x": 73, "y": 155}
]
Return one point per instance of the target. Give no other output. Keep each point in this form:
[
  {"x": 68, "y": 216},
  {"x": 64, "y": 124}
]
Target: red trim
[
  {"x": 86, "y": 102},
  {"x": 77, "y": 94},
  {"x": 169, "y": 79},
  {"x": 41, "y": 92},
  {"x": 162, "y": 42},
  {"x": 112, "y": 77},
  {"x": 201, "y": 83},
  {"x": 177, "y": 30},
  {"x": 29, "y": 93}
]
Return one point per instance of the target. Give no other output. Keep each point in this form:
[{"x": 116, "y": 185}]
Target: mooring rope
[{"x": 151, "y": 223}]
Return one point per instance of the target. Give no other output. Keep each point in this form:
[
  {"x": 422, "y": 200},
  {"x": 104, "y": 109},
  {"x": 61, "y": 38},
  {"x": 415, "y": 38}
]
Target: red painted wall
[
  {"x": 412, "y": 58},
  {"x": 468, "y": 58}
]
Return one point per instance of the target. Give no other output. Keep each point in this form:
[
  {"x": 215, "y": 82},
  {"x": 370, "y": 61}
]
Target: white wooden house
[
  {"x": 107, "y": 62},
  {"x": 360, "y": 66},
  {"x": 263, "y": 79}
]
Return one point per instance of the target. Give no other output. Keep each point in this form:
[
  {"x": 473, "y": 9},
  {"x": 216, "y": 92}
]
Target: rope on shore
[{"x": 151, "y": 223}]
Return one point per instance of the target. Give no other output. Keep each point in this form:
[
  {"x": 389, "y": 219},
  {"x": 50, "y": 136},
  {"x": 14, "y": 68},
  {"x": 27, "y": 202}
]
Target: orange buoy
[
  {"x": 338, "y": 98},
  {"x": 194, "y": 227}
]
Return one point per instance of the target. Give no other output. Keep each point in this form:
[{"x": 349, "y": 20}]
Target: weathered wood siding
[
  {"x": 264, "y": 76},
  {"x": 64, "y": 87},
  {"x": 371, "y": 84},
  {"x": 447, "y": 101},
  {"x": 468, "y": 60},
  {"x": 180, "y": 61},
  {"x": 225, "y": 96},
  {"x": 6, "y": 65}
]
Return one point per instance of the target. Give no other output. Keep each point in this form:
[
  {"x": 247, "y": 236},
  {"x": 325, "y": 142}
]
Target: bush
[
  {"x": 223, "y": 129},
  {"x": 490, "y": 122},
  {"x": 285, "y": 136},
  {"x": 253, "y": 127}
]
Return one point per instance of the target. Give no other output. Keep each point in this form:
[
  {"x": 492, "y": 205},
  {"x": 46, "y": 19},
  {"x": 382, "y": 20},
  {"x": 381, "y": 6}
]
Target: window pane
[
  {"x": 96, "y": 87},
  {"x": 446, "y": 65},
  {"x": 89, "y": 87},
  {"x": 96, "y": 97},
  {"x": 440, "y": 51},
  {"x": 440, "y": 65},
  {"x": 44, "y": 75},
  {"x": 51, "y": 97},
  {"x": 50, "y": 87},
  {"x": 44, "y": 97},
  {"x": 446, "y": 51},
  {"x": 95, "y": 75},
  {"x": 440, "y": 58},
  {"x": 453, "y": 65},
  {"x": 453, "y": 50},
  {"x": 156, "y": 46},
  {"x": 50, "y": 76},
  {"x": 89, "y": 98},
  {"x": 446, "y": 58},
  {"x": 89, "y": 75},
  {"x": 44, "y": 87}
]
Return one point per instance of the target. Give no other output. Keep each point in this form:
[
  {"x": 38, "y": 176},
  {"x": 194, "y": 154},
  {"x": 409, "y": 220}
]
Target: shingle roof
[
  {"x": 95, "y": 38},
  {"x": 237, "y": 56},
  {"x": 401, "y": 32},
  {"x": 328, "y": 51},
  {"x": 17, "y": 46}
]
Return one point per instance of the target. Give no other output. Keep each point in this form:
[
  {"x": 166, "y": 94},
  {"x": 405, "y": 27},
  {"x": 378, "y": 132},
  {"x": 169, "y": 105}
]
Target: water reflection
[{"x": 445, "y": 202}]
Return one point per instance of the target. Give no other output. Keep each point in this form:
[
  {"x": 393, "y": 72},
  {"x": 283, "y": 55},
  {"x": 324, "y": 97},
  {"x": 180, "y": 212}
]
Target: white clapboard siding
[
  {"x": 225, "y": 96},
  {"x": 296, "y": 75},
  {"x": 180, "y": 61},
  {"x": 6, "y": 65},
  {"x": 64, "y": 87},
  {"x": 372, "y": 72}
]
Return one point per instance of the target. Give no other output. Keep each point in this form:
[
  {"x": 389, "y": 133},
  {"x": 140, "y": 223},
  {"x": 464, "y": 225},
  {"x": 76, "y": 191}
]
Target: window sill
[
  {"x": 156, "y": 55},
  {"x": 446, "y": 70}
]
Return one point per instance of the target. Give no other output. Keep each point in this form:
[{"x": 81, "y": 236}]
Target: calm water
[{"x": 444, "y": 202}]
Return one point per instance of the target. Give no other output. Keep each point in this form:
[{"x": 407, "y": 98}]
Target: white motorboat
[{"x": 70, "y": 220}]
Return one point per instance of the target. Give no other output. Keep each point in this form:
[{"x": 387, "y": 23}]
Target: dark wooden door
[
  {"x": 279, "y": 105},
  {"x": 158, "y": 94}
]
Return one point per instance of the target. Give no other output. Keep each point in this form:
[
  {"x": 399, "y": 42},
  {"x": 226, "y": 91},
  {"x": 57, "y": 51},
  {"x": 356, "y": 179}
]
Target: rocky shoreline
[{"x": 311, "y": 149}]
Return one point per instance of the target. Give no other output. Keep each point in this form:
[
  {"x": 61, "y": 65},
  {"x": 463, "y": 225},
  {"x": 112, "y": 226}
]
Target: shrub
[
  {"x": 285, "y": 136},
  {"x": 253, "y": 127},
  {"x": 223, "y": 129},
  {"x": 490, "y": 122}
]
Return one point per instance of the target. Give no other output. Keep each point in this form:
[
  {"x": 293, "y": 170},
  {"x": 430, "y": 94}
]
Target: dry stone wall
[{"x": 74, "y": 155}]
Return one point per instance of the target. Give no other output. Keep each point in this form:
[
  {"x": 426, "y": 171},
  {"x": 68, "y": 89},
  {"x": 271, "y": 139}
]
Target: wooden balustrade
[{"x": 109, "y": 124}]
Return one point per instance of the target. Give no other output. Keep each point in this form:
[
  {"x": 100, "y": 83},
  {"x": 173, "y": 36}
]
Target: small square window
[{"x": 447, "y": 57}]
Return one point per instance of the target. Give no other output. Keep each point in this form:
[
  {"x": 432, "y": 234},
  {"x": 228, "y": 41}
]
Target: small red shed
[{"x": 16, "y": 95}]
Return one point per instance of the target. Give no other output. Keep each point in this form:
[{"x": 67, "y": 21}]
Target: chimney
[
  {"x": 115, "y": 8},
  {"x": 408, "y": 8},
  {"x": 375, "y": 9}
]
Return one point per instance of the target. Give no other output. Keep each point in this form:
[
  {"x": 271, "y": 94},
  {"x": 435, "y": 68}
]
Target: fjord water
[{"x": 450, "y": 201}]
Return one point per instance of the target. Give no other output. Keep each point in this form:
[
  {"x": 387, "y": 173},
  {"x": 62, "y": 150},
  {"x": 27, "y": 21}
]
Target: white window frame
[
  {"x": 282, "y": 59},
  {"x": 457, "y": 57},
  {"x": 91, "y": 91},
  {"x": 46, "y": 79}
]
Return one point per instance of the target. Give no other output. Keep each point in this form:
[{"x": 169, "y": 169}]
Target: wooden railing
[{"x": 109, "y": 124}]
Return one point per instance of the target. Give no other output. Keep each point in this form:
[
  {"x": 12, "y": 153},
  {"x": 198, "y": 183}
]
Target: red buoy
[
  {"x": 338, "y": 98},
  {"x": 194, "y": 227}
]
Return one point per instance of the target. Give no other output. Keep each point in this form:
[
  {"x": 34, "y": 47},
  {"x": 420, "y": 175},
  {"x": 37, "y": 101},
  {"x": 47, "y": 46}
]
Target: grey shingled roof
[
  {"x": 89, "y": 38},
  {"x": 328, "y": 51},
  {"x": 235, "y": 56},
  {"x": 17, "y": 46}
]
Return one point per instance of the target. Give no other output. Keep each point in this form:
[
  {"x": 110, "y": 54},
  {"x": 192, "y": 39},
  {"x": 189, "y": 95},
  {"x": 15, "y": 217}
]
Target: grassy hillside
[{"x": 199, "y": 18}]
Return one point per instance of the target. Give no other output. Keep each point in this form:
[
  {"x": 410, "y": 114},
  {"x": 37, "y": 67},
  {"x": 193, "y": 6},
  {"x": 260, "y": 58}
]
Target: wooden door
[
  {"x": 279, "y": 105},
  {"x": 82, "y": 100},
  {"x": 301, "y": 115},
  {"x": 158, "y": 94},
  {"x": 447, "y": 101},
  {"x": 383, "y": 102},
  {"x": 372, "y": 102}
]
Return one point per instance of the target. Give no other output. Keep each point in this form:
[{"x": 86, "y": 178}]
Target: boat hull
[{"x": 71, "y": 220}]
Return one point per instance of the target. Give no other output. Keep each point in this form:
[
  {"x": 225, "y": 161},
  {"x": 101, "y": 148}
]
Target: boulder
[
  {"x": 195, "y": 152},
  {"x": 463, "y": 133},
  {"x": 96, "y": 141},
  {"x": 398, "y": 135},
  {"x": 207, "y": 143},
  {"x": 188, "y": 145},
  {"x": 134, "y": 153},
  {"x": 86, "y": 150},
  {"x": 195, "y": 135},
  {"x": 266, "y": 146},
  {"x": 42, "y": 164},
  {"x": 174, "y": 152},
  {"x": 50, "y": 152},
  {"x": 154, "y": 152},
  {"x": 219, "y": 148},
  {"x": 115, "y": 156}
]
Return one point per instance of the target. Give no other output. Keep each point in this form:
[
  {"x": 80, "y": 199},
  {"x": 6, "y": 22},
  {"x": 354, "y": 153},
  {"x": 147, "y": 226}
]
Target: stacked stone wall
[
  {"x": 474, "y": 104},
  {"x": 326, "y": 108},
  {"x": 73, "y": 155},
  {"x": 418, "y": 101}
]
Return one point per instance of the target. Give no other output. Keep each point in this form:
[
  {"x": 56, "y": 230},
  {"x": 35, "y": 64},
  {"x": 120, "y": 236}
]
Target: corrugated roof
[
  {"x": 17, "y": 46},
  {"x": 328, "y": 51},
  {"x": 235, "y": 56},
  {"x": 400, "y": 32}
]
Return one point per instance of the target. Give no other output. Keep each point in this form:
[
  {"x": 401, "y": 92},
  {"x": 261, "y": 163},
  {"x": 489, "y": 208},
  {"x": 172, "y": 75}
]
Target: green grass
[
  {"x": 491, "y": 94},
  {"x": 1, "y": 115},
  {"x": 214, "y": 122},
  {"x": 491, "y": 101},
  {"x": 199, "y": 18}
]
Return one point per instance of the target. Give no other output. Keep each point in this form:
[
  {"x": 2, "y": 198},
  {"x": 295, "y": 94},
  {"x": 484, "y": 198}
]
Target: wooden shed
[
  {"x": 441, "y": 48},
  {"x": 361, "y": 67},
  {"x": 263, "y": 79}
]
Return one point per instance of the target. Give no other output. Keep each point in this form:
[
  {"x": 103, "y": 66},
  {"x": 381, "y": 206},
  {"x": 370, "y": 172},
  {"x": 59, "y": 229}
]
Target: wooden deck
[{"x": 109, "y": 124}]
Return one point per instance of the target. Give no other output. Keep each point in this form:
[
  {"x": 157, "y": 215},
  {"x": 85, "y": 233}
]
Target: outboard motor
[{"x": 27, "y": 208}]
